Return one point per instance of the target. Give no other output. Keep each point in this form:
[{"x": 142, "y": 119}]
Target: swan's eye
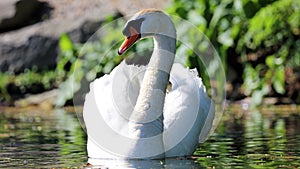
[{"x": 136, "y": 24}]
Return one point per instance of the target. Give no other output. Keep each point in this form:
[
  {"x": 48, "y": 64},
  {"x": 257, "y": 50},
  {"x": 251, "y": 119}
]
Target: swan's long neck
[{"x": 148, "y": 111}]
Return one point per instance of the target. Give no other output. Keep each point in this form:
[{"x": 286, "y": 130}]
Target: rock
[
  {"x": 7, "y": 8},
  {"x": 130, "y": 7},
  {"x": 45, "y": 99},
  {"x": 36, "y": 43},
  {"x": 37, "y": 50},
  {"x": 16, "y": 14}
]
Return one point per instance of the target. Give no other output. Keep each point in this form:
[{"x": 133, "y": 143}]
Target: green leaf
[
  {"x": 225, "y": 38},
  {"x": 65, "y": 43},
  {"x": 270, "y": 61},
  {"x": 278, "y": 80}
]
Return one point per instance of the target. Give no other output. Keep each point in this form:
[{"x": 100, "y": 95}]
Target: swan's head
[{"x": 148, "y": 22}]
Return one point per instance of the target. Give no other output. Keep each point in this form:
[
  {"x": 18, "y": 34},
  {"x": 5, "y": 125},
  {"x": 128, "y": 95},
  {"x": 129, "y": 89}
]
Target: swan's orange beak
[{"x": 129, "y": 41}]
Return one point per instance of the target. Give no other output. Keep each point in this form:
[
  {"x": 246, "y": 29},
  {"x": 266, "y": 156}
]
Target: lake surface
[{"x": 264, "y": 138}]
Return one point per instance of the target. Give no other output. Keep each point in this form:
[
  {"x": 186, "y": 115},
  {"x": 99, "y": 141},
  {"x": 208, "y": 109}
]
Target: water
[
  {"x": 267, "y": 138},
  {"x": 41, "y": 139},
  {"x": 264, "y": 138}
]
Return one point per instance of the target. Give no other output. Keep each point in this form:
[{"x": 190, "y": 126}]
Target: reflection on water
[
  {"x": 268, "y": 138},
  {"x": 165, "y": 163},
  {"x": 41, "y": 139},
  {"x": 246, "y": 139}
]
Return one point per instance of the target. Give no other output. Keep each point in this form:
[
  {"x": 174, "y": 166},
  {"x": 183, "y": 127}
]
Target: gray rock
[
  {"x": 37, "y": 44},
  {"x": 15, "y": 14},
  {"x": 37, "y": 50}
]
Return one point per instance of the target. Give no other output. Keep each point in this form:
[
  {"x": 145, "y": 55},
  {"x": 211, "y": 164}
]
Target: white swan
[{"x": 130, "y": 114}]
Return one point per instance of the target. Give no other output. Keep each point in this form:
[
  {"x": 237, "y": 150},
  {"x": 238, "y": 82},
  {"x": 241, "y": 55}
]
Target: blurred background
[{"x": 258, "y": 42}]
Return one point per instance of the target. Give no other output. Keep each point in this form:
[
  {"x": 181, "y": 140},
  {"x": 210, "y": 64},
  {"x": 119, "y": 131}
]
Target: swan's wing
[
  {"x": 114, "y": 95},
  {"x": 107, "y": 103},
  {"x": 94, "y": 111},
  {"x": 186, "y": 112}
]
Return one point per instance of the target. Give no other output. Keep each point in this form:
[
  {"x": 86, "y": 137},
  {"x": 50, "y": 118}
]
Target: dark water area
[{"x": 263, "y": 138}]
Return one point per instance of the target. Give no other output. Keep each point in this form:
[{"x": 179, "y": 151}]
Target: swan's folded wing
[
  {"x": 186, "y": 112},
  {"x": 109, "y": 98}
]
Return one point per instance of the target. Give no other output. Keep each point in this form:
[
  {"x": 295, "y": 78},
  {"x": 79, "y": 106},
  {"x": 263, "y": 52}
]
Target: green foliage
[
  {"x": 33, "y": 80},
  {"x": 29, "y": 81},
  {"x": 272, "y": 36},
  {"x": 4, "y": 95},
  {"x": 263, "y": 35}
]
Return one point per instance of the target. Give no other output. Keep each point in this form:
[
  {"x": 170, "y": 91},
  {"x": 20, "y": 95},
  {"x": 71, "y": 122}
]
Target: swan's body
[{"x": 133, "y": 103}]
